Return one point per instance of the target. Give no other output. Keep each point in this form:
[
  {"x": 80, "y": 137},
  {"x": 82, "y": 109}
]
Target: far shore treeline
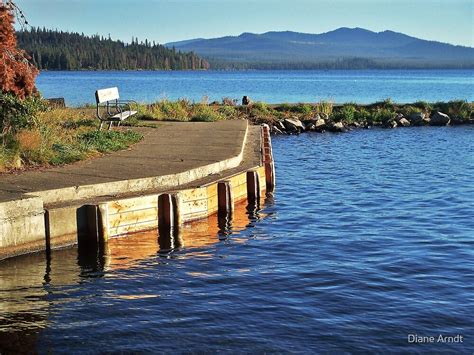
[{"x": 58, "y": 50}]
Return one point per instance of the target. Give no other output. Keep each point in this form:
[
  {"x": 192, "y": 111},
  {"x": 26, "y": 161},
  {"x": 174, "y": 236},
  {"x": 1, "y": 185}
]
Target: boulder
[
  {"x": 276, "y": 130},
  {"x": 403, "y": 122},
  {"x": 355, "y": 124},
  {"x": 335, "y": 127},
  {"x": 439, "y": 119},
  {"x": 281, "y": 126},
  {"x": 293, "y": 125},
  {"x": 320, "y": 124},
  {"x": 309, "y": 125},
  {"x": 323, "y": 115},
  {"x": 393, "y": 124},
  {"x": 457, "y": 120},
  {"x": 417, "y": 119}
]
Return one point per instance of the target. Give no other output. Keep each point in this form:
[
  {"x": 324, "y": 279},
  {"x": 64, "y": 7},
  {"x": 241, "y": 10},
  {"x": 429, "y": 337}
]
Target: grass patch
[
  {"x": 108, "y": 141},
  {"x": 205, "y": 113},
  {"x": 60, "y": 136}
]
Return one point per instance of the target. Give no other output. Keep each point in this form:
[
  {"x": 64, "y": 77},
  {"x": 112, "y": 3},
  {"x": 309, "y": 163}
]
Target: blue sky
[{"x": 170, "y": 20}]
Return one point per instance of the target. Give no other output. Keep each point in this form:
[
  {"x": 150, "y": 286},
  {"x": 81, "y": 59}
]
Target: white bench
[{"x": 111, "y": 109}]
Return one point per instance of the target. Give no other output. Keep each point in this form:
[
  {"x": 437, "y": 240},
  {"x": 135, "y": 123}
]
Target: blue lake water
[
  {"x": 361, "y": 86},
  {"x": 369, "y": 238}
]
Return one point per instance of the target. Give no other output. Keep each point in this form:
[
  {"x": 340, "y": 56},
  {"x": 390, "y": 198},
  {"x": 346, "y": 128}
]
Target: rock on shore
[
  {"x": 323, "y": 123},
  {"x": 439, "y": 119}
]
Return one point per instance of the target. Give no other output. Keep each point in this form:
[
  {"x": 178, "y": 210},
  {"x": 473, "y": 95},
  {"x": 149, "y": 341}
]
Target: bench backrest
[{"x": 104, "y": 95}]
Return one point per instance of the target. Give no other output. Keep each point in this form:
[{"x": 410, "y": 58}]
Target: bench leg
[
  {"x": 101, "y": 124},
  {"x": 110, "y": 125}
]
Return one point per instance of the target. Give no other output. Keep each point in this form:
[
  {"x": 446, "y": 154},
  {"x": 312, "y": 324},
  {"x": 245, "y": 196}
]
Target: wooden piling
[
  {"x": 267, "y": 158},
  {"x": 169, "y": 215},
  {"x": 253, "y": 187},
  {"x": 225, "y": 198}
]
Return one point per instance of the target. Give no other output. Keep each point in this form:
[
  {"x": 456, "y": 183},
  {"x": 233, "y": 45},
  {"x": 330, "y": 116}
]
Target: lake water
[
  {"x": 361, "y": 86},
  {"x": 369, "y": 238}
]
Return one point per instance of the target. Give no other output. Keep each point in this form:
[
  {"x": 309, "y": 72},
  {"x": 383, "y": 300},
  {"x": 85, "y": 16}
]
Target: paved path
[{"x": 170, "y": 149}]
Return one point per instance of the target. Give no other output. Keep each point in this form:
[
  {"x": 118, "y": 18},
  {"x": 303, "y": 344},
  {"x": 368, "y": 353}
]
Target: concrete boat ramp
[{"x": 178, "y": 173}]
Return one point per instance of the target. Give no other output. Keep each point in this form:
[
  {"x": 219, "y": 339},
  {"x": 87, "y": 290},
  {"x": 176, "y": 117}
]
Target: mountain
[
  {"x": 57, "y": 50},
  {"x": 342, "y": 47}
]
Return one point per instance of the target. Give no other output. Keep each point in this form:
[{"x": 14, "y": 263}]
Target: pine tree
[{"x": 17, "y": 75}]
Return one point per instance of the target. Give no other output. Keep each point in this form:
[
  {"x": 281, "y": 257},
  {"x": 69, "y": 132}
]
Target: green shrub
[
  {"x": 16, "y": 114},
  {"x": 145, "y": 113},
  {"x": 423, "y": 106},
  {"x": 362, "y": 115},
  {"x": 455, "y": 108},
  {"x": 166, "y": 110},
  {"x": 304, "y": 109},
  {"x": 284, "y": 107},
  {"x": 344, "y": 113},
  {"x": 260, "y": 107},
  {"x": 205, "y": 113},
  {"x": 384, "y": 104},
  {"x": 325, "y": 107},
  {"x": 384, "y": 115},
  {"x": 229, "y": 112},
  {"x": 408, "y": 110}
]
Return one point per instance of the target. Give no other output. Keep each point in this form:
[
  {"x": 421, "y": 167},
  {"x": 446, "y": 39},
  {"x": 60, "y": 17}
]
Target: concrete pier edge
[{"x": 57, "y": 218}]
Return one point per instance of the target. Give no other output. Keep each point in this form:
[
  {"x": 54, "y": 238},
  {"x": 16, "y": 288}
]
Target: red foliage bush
[{"x": 17, "y": 75}]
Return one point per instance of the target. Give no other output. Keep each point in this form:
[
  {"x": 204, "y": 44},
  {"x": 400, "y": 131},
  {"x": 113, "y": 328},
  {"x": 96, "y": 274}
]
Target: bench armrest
[{"x": 128, "y": 103}]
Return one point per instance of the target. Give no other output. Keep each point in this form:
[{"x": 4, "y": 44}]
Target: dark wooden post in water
[
  {"x": 169, "y": 222},
  {"x": 169, "y": 216},
  {"x": 267, "y": 154},
  {"x": 97, "y": 221},
  {"x": 225, "y": 208},
  {"x": 253, "y": 188},
  {"x": 225, "y": 198}
]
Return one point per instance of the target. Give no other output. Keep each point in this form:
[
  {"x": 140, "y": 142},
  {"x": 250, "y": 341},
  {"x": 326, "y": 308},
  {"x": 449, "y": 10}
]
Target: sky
[{"x": 165, "y": 21}]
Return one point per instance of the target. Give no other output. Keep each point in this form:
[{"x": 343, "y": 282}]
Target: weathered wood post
[
  {"x": 267, "y": 154},
  {"x": 225, "y": 211},
  {"x": 225, "y": 198},
  {"x": 98, "y": 224},
  {"x": 169, "y": 222},
  {"x": 253, "y": 187}
]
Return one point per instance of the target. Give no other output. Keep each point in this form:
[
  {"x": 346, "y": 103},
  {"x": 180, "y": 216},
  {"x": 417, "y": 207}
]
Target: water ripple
[{"x": 369, "y": 238}]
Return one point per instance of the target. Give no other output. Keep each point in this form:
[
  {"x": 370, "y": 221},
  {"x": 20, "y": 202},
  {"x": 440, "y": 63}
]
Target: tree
[{"x": 17, "y": 74}]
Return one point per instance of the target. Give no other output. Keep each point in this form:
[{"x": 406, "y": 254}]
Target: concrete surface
[
  {"x": 48, "y": 209},
  {"x": 170, "y": 155}
]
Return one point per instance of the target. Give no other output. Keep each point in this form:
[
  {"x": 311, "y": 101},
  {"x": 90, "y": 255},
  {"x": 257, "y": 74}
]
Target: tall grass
[{"x": 59, "y": 137}]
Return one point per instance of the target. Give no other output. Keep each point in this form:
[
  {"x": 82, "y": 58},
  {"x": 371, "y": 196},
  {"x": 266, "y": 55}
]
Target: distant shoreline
[{"x": 252, "y": 70}]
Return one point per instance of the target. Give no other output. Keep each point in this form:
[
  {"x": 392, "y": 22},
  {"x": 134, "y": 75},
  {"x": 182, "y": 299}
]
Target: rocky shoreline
[
  {"x": 295, "y": 119},
  {"x": 323, "y": 123}
]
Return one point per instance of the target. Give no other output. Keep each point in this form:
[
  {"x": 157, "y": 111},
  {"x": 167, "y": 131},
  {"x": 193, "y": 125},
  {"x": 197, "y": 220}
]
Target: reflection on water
[
  {"x": 370, "y": 239},
  {"x": 25, "y": 300}
]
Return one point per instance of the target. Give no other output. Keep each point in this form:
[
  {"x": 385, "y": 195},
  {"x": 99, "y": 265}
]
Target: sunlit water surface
[
  {"x": 369, "y": 238},
  {"x": 361, "y": 86}
]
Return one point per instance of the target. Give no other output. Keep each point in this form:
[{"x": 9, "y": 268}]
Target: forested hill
[
  {"x": 343, "y": 48},
  {"x": 57, "y": 50}
]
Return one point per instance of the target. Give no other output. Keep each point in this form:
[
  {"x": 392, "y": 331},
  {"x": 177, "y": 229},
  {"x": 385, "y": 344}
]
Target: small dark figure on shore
[{"x": 246, "y": 101}]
